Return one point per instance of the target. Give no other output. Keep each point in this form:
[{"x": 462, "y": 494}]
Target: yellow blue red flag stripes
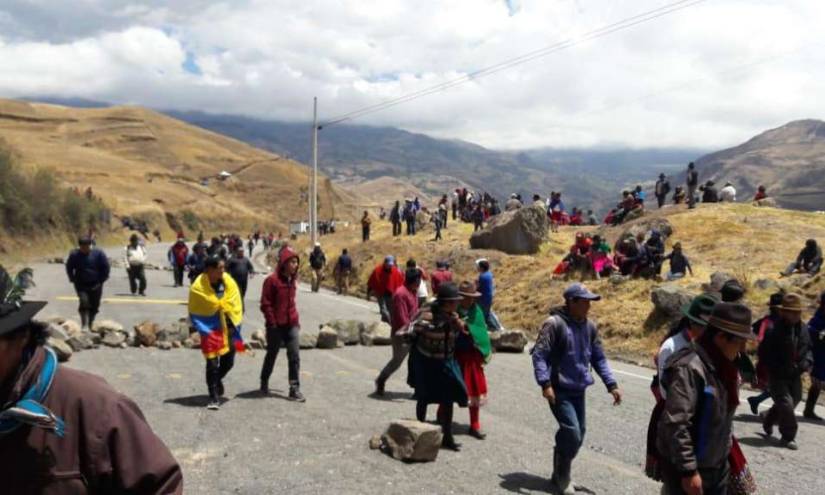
[{"x": 210, "y": 313}]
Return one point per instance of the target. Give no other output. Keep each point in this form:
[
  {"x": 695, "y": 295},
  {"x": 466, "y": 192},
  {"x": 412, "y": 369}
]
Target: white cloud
[{"x": 708, "y": 76}]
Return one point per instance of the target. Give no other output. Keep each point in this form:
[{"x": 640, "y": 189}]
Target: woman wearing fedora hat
[
  {"x": 473, "y": 351},
  {"x": 434, "y": 372},
  {"x": 63, "y": 430}
]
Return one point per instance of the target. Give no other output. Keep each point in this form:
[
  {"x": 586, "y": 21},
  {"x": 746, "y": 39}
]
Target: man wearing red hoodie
[
  {"x": 383, "y": 282},
  {"x": 282, "y": 325}
]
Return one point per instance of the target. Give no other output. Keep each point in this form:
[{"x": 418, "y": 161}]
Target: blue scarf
[{"x": 29, "y": 410}]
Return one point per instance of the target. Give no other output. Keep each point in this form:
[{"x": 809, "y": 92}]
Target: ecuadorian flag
[{"x": 209, "y": 312}]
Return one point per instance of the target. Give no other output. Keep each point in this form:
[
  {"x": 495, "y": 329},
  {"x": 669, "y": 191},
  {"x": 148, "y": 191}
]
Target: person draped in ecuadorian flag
[{"x": 216, "y": 312}]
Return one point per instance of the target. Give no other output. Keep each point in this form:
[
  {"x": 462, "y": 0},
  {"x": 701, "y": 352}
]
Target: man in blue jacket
[
  {"x": 88, "y": 269},
  {"x": 567, "y": 346}
]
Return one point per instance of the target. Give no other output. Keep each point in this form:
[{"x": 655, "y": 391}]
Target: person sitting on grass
[
  {"x": 809, "y": 260},
  {"x": 679, "y": 264}
]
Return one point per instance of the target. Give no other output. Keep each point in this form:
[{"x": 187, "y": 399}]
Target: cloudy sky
[{"x": 711, "y": 75}]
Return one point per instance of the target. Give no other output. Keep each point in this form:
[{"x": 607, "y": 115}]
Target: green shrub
[{"x": 36, "y": 203}]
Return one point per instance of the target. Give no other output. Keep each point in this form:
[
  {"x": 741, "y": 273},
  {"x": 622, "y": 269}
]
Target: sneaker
[
  {"x": 789, "y": 444},
  {"x": 754, "y": 406},
  {"x": 213, "y": 405},
  {"x": 296, "y": 395}
]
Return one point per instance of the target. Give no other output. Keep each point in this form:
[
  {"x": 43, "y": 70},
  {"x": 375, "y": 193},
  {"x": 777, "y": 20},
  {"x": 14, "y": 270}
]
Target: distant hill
[
  {"x": 353, "y": 154},
  {"x": 149, "y": 165},
  {"x": 788, "y": 160}
]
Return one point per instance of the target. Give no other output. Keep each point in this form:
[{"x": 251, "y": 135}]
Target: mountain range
[{"x": 386, "y": 163}]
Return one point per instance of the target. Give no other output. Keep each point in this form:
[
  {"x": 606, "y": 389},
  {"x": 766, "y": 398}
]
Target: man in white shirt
[
  {"x": 728, "y": 193},
  {"x": 135, "y": 259}
]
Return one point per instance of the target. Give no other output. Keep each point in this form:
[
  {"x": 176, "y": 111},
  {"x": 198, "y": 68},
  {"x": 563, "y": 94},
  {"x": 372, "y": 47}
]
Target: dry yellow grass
[
  {"x": 146, "y": 164},
  {"x": 751, "y": 243}
]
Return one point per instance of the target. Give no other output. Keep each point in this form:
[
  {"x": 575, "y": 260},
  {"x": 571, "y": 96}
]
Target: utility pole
[{"x": 313, "y": 201}]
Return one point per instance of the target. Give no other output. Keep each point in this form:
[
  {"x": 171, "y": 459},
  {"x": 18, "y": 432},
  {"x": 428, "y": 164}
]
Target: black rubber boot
[{"x": 810, "y": 404}]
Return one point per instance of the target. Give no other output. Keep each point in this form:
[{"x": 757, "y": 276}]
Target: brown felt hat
[
  {"x": 468, "y": 289},
  {"x": 732, "y": 318},
  {"x": 791, "y": 302}
]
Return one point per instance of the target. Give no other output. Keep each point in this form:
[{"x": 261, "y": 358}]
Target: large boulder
[
  {"x": 668, "y": 299},
  {"x": 514, "y": 232},
  {"x": 327, "y": 338},
  {"x": 511, "y": 341},
  {"x": 376, "y": 333},
  {"x": 412, "y": 441},
  {"x": 146, "y": 333},
  {"x": 56, "y": 331},
  {"x": 349, "y": 331},
  {"x": 60, "y": 348},
  {"x": 308, "y": 338}
]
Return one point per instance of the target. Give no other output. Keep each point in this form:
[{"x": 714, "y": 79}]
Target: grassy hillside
[
  {"x": 147, "y": 165},
  {"x": 751, "y": 243}
]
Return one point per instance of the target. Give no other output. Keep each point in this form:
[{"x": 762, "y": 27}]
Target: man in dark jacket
[
  {"x": 196, "y": 261},
  {"x": 317, "y": 261},
  {"x": 88, "y": 269},
  {"x": 661, "y": 189},
  {"x": 809, "y": 260},
  {"x": 786, "y": 352},
  {"x": 282, "y": 325},
  {"x": 395, "y": 218},
  {"x": 701, "y": 381},
  {"x": 73, "y": 433},
  {"x": 567, "y": 347},
  {"x": 343, "y": 269},
  {"x": 240, "y": 268},
  {"x": 709, "y": 193},
  {"x": 692, "y": 183}
]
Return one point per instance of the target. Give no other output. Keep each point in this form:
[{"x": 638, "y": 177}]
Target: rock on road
[{"x": 256, "y": 445}]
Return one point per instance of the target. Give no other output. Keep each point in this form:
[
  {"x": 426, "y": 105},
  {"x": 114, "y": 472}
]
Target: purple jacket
[{"x": 564, "y": 352}]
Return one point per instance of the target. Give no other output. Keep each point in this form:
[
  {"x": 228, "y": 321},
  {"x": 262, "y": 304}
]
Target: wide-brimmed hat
[
  {"x": 468, "y": 289},
  {"x": 14, "y": 316},
  {"x": 734, "y": 319},
  {"x": 700, "y": 308},
  {"x": 791, "y": 302},
  {"x": 448, "y": 292},
  {"x": 775, "y": 299}
]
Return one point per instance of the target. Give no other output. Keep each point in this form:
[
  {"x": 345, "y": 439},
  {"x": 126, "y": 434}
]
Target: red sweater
[
  {"x": 278, "y": 295},
  {"x": 404, "y": 306},
  {"x": 383, "y": 282}
]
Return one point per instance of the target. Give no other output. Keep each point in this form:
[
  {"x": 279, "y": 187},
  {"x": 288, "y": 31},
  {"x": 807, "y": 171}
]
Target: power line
[{"x": 522, "y": 59}]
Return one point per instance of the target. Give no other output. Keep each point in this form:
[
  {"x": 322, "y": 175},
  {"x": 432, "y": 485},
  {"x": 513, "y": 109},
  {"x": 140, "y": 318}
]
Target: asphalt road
[{"x": 256, "y": 445}]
